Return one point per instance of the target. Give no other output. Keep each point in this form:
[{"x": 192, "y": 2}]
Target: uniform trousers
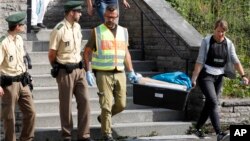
[
  {"x": 210, "y": 86},
  {"x": 13, "y": 94},
  {"x": 68, "y": 85},
  {"x": 112, "y": 96}
]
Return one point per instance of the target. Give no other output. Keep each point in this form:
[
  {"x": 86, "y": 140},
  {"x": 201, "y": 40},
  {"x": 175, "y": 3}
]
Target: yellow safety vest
[{"x": 110, "y": 50}]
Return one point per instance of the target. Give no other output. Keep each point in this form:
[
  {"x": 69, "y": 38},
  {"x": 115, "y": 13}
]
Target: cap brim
[{"x": 77, "y": 8}]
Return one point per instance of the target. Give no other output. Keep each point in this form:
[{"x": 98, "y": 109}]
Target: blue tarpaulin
[{"x": 175, "y": 77}]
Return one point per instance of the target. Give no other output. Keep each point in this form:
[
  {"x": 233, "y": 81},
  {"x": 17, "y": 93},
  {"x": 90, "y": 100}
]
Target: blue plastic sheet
[{"x": 175, "y": 77}]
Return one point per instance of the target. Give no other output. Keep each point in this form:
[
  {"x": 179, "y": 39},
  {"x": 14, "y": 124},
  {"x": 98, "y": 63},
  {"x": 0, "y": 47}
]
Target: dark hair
[
  {"x": 66, "y": 12},
  {"x": 12, "y": 27},
  {"x": 221, "y": 23},
  {"x": 111, "y": 7}
]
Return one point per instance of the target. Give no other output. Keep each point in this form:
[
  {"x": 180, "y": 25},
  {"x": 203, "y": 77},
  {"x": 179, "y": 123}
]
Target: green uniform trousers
[
  {"x": 13, "y": 94},
  {"x": 112, "y": 96},
  {"x": 68, "y": 85}
]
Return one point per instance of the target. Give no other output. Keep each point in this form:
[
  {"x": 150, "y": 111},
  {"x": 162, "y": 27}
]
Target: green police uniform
[
  {"x": 12, "y": 69},
  {"x": 66, "y": 39}
]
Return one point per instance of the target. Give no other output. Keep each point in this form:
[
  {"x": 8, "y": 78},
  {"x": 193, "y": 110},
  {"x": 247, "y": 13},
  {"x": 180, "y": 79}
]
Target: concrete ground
[{"x": 177, "y": 138}]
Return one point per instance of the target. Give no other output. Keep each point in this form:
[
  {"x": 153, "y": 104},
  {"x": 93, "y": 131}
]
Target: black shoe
[
  {"x": 35, "y": 27},
  {"x": 199, "y": 133},
  {"x": 99, "y": 119},
  {"x": 41, "y": 25},
  {"x": 108, "y": 138},
  {"x": 87, "y": 139},
  {"x": 221, "y": 136}
]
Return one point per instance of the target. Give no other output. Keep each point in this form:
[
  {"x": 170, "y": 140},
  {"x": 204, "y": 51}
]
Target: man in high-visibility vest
[{"x": 108, "y": 47}]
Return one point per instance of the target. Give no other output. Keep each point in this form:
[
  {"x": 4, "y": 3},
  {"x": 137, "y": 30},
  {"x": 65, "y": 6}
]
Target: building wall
[{"x": 8, "y": 7}]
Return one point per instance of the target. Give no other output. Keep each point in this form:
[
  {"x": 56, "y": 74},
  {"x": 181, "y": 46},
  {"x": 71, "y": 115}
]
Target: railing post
[
  {"x": 29, "y": 3},
  {"x": 142, "y": 39},
  {"x": 187, "y": 66}
]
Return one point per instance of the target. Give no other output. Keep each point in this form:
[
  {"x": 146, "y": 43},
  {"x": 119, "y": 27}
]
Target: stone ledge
[
  {"x": 174, "y": 20},
  {"x": 235, "y": 102}
]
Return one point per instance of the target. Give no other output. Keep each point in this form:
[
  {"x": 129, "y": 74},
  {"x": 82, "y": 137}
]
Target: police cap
[
  {"x": 17, "y": 18},
  {"x": 73, "y": 5}
]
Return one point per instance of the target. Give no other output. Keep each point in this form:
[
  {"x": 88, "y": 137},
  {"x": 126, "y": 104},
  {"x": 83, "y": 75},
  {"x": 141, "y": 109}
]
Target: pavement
[{"x": 177, "y": 138}]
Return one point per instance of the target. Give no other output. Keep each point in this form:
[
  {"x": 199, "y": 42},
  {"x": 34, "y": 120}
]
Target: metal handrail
[
  {"x": 29, "y": 3},
  {"x": 143, "y": 13},
  {"x": 159, "y": 31}
]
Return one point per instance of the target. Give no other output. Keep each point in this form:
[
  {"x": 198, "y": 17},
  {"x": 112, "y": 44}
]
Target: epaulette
[
  {"x": 2, "y": 38},
  {"x": 59, "y": 26}
]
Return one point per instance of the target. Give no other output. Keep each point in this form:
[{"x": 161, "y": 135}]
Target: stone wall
[
  {"x": 8, "y": 7},
  {"x": 235, "y": 111}
]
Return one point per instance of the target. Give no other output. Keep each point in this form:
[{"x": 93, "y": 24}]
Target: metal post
[
  {"x": 187, "y": 66},
  {"x": 142, "y": 39},
  {"x": 29, "y": 3}
]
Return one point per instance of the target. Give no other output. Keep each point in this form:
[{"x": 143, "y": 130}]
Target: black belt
[
  {"x": 72, "y": 66},
  {"x": 17, "y": 78}
]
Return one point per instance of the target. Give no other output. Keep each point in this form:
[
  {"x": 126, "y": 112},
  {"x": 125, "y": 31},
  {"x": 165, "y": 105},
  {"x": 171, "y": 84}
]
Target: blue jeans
[{"x": 101, "y": 5}]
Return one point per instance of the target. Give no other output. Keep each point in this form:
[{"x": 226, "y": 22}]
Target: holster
[
  {"x": 24, "y": 78},
  {"x": 27, "y": 80},
  {"x": 55, "y": 70}
]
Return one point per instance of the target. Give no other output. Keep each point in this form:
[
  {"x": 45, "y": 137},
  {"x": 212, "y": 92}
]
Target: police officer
[
  {"x": 108, "y": 46},
  {"x": 14, "y": 88},
  {"x": 64, "y": 56}
]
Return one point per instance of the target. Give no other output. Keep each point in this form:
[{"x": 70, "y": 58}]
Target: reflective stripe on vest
[{"x": 110, "y": 50}]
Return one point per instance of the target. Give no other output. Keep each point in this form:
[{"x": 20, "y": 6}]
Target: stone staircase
[{"x": 135, "y": 121}]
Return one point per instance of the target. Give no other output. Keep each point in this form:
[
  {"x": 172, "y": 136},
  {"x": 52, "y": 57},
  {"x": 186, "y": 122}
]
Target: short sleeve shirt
[
  {"x": 66, "y": 40},
  {"x": 12, "y": 56}
]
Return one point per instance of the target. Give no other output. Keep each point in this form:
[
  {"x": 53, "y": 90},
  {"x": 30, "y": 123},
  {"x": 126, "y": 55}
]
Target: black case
[{"x": 159, "y": 97}]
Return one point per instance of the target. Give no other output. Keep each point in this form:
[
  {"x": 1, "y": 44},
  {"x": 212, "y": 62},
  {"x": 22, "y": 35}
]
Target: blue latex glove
[
  {"x": 132, "y": 77},
  {"x": 90, "y": 78}
]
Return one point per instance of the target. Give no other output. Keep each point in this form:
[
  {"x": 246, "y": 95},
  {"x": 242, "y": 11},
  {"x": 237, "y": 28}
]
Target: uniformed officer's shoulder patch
[
  {"x": 2, "y": 38},
  {"x": 59, "y": 26}
]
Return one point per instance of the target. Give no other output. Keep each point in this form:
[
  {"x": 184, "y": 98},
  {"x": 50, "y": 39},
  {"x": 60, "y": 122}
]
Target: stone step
[
  {"x": 44, "y": 68},
  {"x": 121, "y": 130},
  {"x": 52, "y": 106},
  {"x": 42, "y": 46},
  {"x": 168, "y": 138},
  {"x": 127, "y": 116},
  {"x": 47, "y": 93},
  {"x": 44, "y": 35},
  {"x": 42, "y": 57},
  {"x": 45, "y": 80}
]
